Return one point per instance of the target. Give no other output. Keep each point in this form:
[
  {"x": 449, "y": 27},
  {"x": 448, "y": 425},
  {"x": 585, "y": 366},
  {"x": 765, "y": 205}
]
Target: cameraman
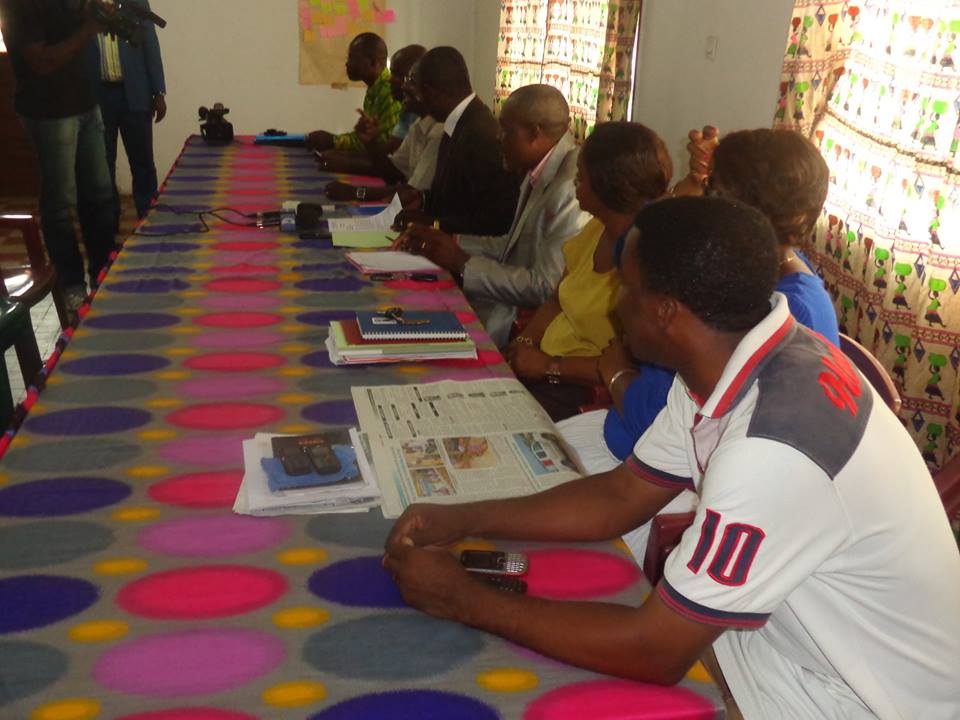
[{"x": 55, "y": 102}]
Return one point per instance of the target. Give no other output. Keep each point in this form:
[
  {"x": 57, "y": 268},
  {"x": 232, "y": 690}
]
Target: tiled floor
[{"x": 46, "y": 324}]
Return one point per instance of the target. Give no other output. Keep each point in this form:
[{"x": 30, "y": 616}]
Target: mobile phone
[
  {"x": 507, "y": 583},
  {"x": 423, "y": 277},
  {"x": 382, "y": 276},
  {"x": 494, "y": 562},
  {"x": 295, "y": 462},
  {"x": 322, "y": 458}
]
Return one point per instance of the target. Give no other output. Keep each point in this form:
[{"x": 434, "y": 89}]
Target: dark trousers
[
  {"x": 560, "y": 401},
  {"x": 73, "y": 173},
  {"x": 136, "y": 131}
]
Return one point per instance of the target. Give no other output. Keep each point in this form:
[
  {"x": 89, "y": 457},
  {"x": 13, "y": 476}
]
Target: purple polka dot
[
  {"x": 238, "y": 339},
  {"x": 205, "y": 451},
  {"x": 409, "y": 705},
  {"x": 248, "y": 301},
  {"x": 217, "y": 536},
  {"x": 331, "y": 412},
  {"x": 148, "y": 285},
  {"x": 189, "y": 662},
  {"x": 319, "y": 359},
  {"x": 207, "y": 388},
  {"x": 345, "y": 284},
  {"x": 323, "y": 317},
  {"x": 323, "y": 267},
  {"x": 180, "y": 177},
  {"x": 132, "y": 321},
  {"x": 173, "y": 228},
  {"x": 61, "y": 496},
  {"x": 159, "y": 247},
  {"x": 314, "y": 244},
  {"x": 117, "y": 364},
  {"x": 159, "y": 270},
  {"x": 32, "y": 601},
  {"x": 358, "y": 582},
  {"x": 88, "y": 421}
]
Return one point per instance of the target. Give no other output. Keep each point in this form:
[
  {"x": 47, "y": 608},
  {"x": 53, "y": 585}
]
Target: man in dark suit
[
  {"x": 130, "y": 89},
  {"x": 472, "y": 192}
]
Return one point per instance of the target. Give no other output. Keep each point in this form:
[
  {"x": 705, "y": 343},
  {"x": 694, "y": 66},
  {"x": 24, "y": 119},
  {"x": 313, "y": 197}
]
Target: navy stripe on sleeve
[
  {"x": 658, "y": 477},
  {"x": 703, "y": 614}
]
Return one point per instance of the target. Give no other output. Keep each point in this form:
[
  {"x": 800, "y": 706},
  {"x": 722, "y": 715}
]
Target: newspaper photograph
[{"x": 453, "y": 442}]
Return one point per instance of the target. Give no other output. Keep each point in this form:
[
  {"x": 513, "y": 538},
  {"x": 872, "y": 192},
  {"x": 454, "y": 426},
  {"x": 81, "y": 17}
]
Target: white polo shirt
[
  {"x": 819, "y": 540},
  {"x": 416, "y": 157}
]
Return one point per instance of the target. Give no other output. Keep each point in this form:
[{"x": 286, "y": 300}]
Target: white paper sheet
[{"x": 366, "y": 223}]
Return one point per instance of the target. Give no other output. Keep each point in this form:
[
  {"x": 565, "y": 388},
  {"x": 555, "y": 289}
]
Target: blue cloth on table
[{"x": 278, "y": 480}]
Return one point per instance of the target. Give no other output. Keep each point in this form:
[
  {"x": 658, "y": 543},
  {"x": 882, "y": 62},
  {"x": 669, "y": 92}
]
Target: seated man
[
  {"x": 523, "y": 267},
  {"x": 471, "y": 191},
  {"x": 367, "y": 63},
  {"x": 408, "y": 170},
  {"x": 820, "y": 567},
  {"x": 368, "y": 130}
]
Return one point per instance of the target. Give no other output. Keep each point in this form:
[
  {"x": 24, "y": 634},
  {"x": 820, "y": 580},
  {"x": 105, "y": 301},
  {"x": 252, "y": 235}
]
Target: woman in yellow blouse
[{"x": 622, "y": 166}]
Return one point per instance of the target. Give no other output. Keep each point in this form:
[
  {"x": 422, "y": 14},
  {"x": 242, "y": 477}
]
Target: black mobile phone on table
[
  {"x": 322, "y": 458},
  {"x": 295, "y": 462},
  {"x": 494, "y": 562},
  {"x": 507, "y": 583}
]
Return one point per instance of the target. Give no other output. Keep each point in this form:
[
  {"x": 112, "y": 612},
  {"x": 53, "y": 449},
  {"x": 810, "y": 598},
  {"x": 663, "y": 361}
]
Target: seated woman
[
  {"x": 782, "y": 174},
  {"x": 622, "y": 166}
]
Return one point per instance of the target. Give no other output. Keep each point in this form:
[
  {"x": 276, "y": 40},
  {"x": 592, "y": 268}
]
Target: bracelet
[
  {"x": 523, "y": 340},
  {"x": 616, "y": 376}
]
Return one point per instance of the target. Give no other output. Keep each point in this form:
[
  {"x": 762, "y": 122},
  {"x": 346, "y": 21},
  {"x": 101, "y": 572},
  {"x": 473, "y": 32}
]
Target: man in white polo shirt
[{"x": 820, "y": 566}]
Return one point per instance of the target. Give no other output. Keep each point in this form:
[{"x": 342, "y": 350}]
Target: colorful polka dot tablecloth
[{"x": 128, "y": 588}]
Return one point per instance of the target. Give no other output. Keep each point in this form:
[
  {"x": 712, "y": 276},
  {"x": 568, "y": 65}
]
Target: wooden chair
[
  {"x": 32, "y": 282},
  {"x": 667, "y": 529},
  {"x": 16, "y": 330}
]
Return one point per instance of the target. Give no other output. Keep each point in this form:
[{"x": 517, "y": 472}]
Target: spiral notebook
[{"x": 413, "y": 325}]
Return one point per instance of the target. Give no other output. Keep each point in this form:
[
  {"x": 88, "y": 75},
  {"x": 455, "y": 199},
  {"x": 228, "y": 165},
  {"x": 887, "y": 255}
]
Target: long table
[{"x": 128, "y": 588}]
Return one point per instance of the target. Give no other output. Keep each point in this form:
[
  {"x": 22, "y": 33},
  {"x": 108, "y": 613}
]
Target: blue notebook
[{"x": 411, "y": 325}]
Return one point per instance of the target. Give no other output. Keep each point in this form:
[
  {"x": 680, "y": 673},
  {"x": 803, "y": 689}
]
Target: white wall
[
  {"x": 244, "y": 53},
  {"x": 678, "y": 88}
]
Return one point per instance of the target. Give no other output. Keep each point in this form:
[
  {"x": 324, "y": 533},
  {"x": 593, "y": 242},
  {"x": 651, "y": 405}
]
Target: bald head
[
  {"x": 404, "y": 58},
  {"x": 540, "y": 106},
  {"x": 370, "y": 46}
]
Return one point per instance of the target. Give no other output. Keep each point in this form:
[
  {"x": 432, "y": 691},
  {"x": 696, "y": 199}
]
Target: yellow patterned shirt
[{"x": 378, "y": 103}]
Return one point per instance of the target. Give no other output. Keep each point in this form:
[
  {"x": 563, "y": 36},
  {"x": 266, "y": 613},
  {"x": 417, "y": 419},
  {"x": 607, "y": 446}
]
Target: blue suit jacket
[{"x": 142, "y": 68}]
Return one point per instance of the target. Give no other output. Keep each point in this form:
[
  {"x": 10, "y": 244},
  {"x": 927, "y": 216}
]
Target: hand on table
[
  {"x": 340, "y": 191},
  {"x": 528, "y": 362},
  {"x": 433, "y": 581},
  {"x": 320, "y": 140},
  {"x": 435, "y": 245},
  {"x": 428, "y": 525}
]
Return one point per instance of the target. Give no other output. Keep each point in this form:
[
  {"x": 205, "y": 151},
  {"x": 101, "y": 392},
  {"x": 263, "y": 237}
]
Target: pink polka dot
[
  {"x": 478, "y": 335},
  {"x": 191, "y": 713},
  {"x": 242, "y": 285},
  {"x": 218, "y": 536},
  {"x": 619, "y": 700},
  {"x": 241, "y": 302},
  {"x": 434, "y": 300},
  {"x": 246, "y": 269},
  {"x": 252, "y": 192},
  {"x": 245, "y": 245},
  {"x": 578, "y": 574},
  {"x": 484, "y": 357},
  {"x": 238, "y": 339},
  {"x": 198, "y": 490},
  {"x": 252, "y": 177},
  {"x": 234, "y": 362},
  {"x": 189, "y": 662},
  {"x": 205, "y": 451},
  {"x": 206, "y": 591},
  {"x": 225, "y": 388},
  {"x": 239, "y": 319},
  {"x": 415, "y": 285},
  {"x": 225, "y": 416}
]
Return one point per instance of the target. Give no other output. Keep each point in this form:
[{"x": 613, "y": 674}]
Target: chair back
[
  {"x": 947, "y": 480},
  {"x": 27, "y": 225},
  {"x": 871, "y": 368}
]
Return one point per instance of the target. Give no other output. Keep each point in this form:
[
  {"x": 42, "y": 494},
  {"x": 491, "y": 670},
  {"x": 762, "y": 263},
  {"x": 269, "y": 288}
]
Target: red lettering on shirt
[{"x": 840, "y": 381}]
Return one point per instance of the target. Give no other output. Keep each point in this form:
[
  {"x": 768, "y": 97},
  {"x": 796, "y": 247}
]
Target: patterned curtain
[
  {"x": 877, "y": 86},
  {"x": 584, "y": 48}
]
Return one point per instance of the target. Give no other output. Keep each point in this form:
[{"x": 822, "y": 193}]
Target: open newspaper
[{"x": 452, "y": 442}]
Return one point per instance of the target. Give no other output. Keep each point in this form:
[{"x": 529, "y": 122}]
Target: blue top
[{"x": 647, "y": 395}]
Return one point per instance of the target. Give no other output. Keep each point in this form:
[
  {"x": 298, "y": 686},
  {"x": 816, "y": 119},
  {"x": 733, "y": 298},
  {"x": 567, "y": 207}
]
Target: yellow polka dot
[
  {"x": 295, "y": 398},
  {"x": 72, "y": 709},
  {"x": 193, "y": 293},
  {"x": 699, "y": 673},
  {"x": 173, "y": 375},
  {"x": 188, "y": 311},
  {"x": 507, "y": 680},
  {"x": 412, "y": 369},
  {"x": 136, "y": 514},
  {"x": 156, "y": 434},
  {"x": 296, "y": 348},
  {"x": 4, "y": 478},
  {"x": 120, "y": 566},
  {"x": 297, "y": 428},
  {"x": 291, "y": 293},
  {"x": 290, "y": 277},
  {"x": 383, "y": 291},
  {"x": 302, "y": 556},
  {"x": 203, "y": 265},
  {"x": 470, "y": 544},
  {"x": 291, "y": 328},
  {"x": 620, "y": 545},
  {"x": 300, "y": 617},
  {"x": 39, "y": 407},
  {"x": 294, "y": 372},
  {"x": 179, "y": 351},
  {"x": 98, "y": 631},
  {"x": 295, "y": 694},
  {"x": 164, "y": 402},
  {"x": 286, "y": 250},
  {"x": 56, "y": 379},
  {"x": 79, "y": 332},
  {"x": 206, "y": 250},
  {"x": 147, "y": 471},
  {"x": 200, "y": 277},
  {"x": 291, "y": 309},
  {"x": 185, "y": 329},
  {"x": 19, "y": 441}
]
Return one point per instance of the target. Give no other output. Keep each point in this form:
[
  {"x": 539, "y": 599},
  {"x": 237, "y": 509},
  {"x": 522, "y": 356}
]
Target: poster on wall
[{"x": 326, "y": 28}]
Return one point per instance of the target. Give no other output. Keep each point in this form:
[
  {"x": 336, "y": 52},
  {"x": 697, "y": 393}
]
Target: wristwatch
[
  {"x": 553, "y": 372},
  {"x": 361, "y": 193}
]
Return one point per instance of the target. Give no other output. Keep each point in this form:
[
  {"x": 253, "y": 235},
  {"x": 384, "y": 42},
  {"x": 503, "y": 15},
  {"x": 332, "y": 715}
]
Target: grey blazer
[{"x": 524, "y": 267}]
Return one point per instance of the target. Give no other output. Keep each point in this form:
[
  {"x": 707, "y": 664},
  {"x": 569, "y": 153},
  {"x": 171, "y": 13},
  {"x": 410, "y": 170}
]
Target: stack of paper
[
  {"x": 391, "y": 261},
  {"x": 372, "y": 231},
  {"x": 346, "y": 346},
  {"x": 352, "y": 488}
]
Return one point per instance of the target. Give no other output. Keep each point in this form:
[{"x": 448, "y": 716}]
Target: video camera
[
  {"x": 124, "y": 19},
  {"x": 215, "y": 129}
]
